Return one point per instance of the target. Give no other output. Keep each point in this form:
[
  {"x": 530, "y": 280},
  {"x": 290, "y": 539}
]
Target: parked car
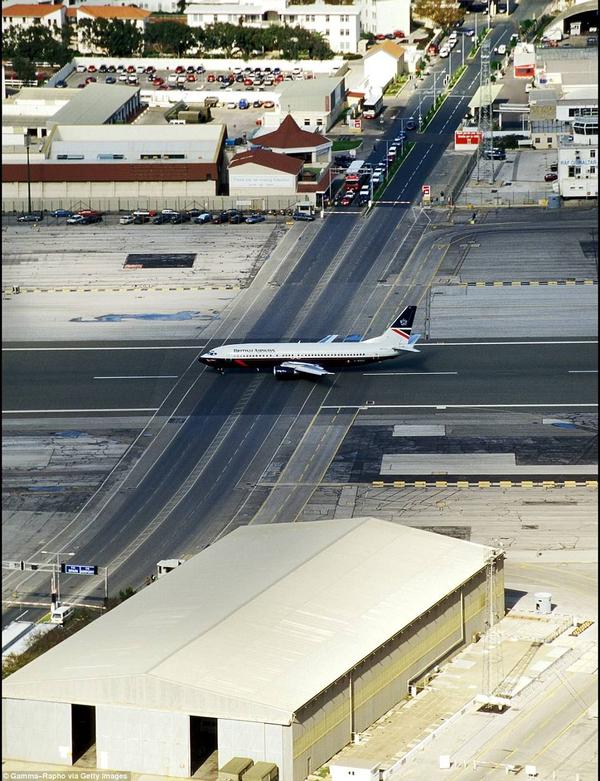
[
  {"x": 110, "y": 80},
  {"x": 399, "y": 34},
  {"x": 495, "y": 154},
  {"x": 61, "y": 213},
  {"x": 81, "y": 69},
  {"x": 202, "y": 219},
  {"x": 254, "y": 218},
  {"x": 303, "y": 217},
  {"x": 161, "y": 219},
  {"x": 127, "y": 219},
  {"x": 140, "y": 219},
  {"x": 91, "y": 69},
  {"x": 83, "y": 219},
  {"x": 268, "y": 104},
  {"x": 31, "y": 217},
  {"x": 410, "y": 123},
  {"x": 469, "y": 33},
  {"x": 550, "y": 177}
]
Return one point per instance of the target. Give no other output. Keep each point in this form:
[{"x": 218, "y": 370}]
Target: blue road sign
[{"x": 79, "y": 569}]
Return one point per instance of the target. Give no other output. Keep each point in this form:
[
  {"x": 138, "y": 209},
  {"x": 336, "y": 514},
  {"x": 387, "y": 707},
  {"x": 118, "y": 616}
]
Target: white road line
[
  {"x": 451, "y": 406},
  {"x": 583, "y": 371},
  {"x": 477, "y": 344},
  {"x": 140, "y": 377},
  {"x": 42, "y": 411},
  {"x": 92, "y": 349},
  {"x": 403, "y": 374}
]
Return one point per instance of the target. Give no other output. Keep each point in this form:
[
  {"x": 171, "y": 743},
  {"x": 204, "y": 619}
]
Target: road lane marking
[
  {"x": 583, "y": 371},
  {"x": 455, "y": 406},
  {"x": 403, "y": 374},
  {"x": 140, "y": 377},
  {"x": 79, "y": 349},
  {"x": 44, "y": 411}
]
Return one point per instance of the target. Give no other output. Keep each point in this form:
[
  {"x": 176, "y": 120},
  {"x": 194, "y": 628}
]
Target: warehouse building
[
  {"x": 113, "y": 167},
  {"x": 278, "y": 643}
]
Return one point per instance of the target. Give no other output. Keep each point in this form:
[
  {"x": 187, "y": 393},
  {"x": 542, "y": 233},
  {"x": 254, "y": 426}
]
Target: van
[{"x": 60, "y": 614}]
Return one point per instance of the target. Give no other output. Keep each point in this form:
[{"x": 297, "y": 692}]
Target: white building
[
  {"x": 277, "y": 643},
  {"x": 339, "y": 25},
  {"x": 383, "y": 63},
  {"x": 26, "y": 15},
  {"x": 92, "y": 12},
  {"x": 578, "y": 160},
  {"x": 385, "y": 16}
]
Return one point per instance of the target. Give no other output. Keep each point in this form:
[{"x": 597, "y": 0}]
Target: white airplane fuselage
[{"x": 267, "y": 355}]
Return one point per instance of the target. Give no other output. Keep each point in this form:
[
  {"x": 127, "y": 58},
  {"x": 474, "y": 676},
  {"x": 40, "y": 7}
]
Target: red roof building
[{"x": 291, "y": 140}]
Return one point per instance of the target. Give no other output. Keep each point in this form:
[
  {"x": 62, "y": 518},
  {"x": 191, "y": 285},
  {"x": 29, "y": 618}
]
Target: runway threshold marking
[
  {"x": 140, "y": 377},
  {"x": 44, "y": 411}
]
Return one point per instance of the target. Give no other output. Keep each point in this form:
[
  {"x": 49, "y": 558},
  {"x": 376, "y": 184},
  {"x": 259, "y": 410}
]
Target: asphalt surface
[
  {"x": 213, "y": 437},
  {"x": 124, "y": 381}
]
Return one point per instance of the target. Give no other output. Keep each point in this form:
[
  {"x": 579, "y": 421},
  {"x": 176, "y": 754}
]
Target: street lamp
[
  {"x": 56, "y": 573},
  {"x": 27, "y": 142}
]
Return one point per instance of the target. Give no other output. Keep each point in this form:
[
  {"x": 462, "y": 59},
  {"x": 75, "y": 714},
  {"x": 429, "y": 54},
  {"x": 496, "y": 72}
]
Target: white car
[
  {"x": 444, "y": 52},
  {"x": 128, "y": 219},
  {"x": 172, "y": 78},
  {"x": 502, "y": 49},
  {"x": 528, "y": 87},
  {"x": 81, "y": 69}
]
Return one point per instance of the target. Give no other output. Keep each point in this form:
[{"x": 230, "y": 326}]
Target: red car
[
  {"x": 399, "y": 34},
  {"x": 248, "y": 82},
  {"x": 131, "y": 69},
  {"x": 90, "y": 79},
  {"x": 91, "y": 69},
  {"x": 190, "y": 77},
  {"x": 551, "y": 177},
  {"x": 158, "y": 81},
  {"x": 211, "y": 77},
  {"x": 347, "y": 199},
  {"x": 380, "y": 37},
  {"x": 180, "y": 69}
]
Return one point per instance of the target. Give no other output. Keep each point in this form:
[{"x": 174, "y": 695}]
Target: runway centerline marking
[
  {"x": 43, "y": 411},
  {"x": 140, "y": 377},
  {"x": 403, "y": 374},
  {"x": 583, "y": 371}
]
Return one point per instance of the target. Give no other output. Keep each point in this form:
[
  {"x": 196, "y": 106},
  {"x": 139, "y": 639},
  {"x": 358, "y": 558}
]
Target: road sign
[
  {"x": 357, "y": 124},
  {"x": 79, "y": 569},
  {"x": 426, "y": 190}
]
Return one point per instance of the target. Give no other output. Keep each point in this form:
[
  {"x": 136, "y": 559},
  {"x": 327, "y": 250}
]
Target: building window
[
  {"x": 592, "y": 153},
  {"x": 592, "y": 170},
  {"x": 537, "y": 140},
  {"x": 307, "y": 123},
  {"x": 548, "y": 139}
]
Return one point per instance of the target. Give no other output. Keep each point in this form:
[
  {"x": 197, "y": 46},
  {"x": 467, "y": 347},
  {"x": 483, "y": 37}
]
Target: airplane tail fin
[{"x": 399, "y": 335}]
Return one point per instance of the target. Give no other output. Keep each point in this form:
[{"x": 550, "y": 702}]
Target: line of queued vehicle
[{"x": 164, "y": 217}]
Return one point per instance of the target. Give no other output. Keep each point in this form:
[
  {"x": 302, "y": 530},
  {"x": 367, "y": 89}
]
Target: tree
[
  {"x": 170, "y": 37},
  {"x": 36, "y": 44},
  {"x": 443, "y": 13},
  {"x": 115, "y": 37},
  {"x": 24, "y": 68},
  {"x": 181, "y": 4}
]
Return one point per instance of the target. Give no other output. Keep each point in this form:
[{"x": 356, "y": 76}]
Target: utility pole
[
  {"x": 485, "y": 160},
  {"x": 27, "y": 142},
  {"x": 55, "y": 582}
]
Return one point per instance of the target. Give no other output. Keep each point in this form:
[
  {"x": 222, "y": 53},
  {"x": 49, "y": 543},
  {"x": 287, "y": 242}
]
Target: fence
[
  {"x": 502, "y": 197},
  {"x": 126, "y": 205}
]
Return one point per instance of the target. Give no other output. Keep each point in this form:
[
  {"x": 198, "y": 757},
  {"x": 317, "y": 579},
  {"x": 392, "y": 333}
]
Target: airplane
[{"x": 289, "y": 360}]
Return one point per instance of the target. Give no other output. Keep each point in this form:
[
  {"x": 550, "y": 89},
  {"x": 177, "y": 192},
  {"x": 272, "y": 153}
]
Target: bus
[
  {"x": 372, "y": 108},
  {"x": 353, "y": 174}
]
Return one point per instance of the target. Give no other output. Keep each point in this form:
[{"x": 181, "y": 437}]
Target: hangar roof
[
  {"x": 258, "y": 623},
  {"x": 94, "y": 105}
]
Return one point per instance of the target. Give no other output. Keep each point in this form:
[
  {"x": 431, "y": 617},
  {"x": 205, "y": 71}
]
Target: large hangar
[{"x": 277, "y": 642}]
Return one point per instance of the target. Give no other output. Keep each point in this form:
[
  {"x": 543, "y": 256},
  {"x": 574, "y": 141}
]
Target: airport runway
[{"x": 135, "y": 380}]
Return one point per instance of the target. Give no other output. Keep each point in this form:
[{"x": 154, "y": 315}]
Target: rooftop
[
  {"x": 278, "y": 162},
  {"x": 289, "y": 136},
  {"x": 114, "y": 12},
  {"x": 24, "y": 9},
  {"x": 389, "y": 47},
  {"x": 307, "y": 95},
  {"x": 294, "y": 605},
  {"x": 199, "y": 143},
  {"x": 94, "y": 105}
]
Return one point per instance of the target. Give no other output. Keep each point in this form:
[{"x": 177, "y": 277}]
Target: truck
[{"x": 352, "y": 179}]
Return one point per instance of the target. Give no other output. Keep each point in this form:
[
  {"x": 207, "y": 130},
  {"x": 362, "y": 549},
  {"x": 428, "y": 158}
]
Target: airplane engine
[{"x": 284, "y": 373}]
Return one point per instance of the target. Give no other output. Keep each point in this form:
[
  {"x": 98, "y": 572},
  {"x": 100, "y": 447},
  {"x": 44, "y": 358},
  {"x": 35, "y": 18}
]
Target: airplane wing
[
  {"x": 327, "y": 339},
  {"x": 305, "y": 368}
]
